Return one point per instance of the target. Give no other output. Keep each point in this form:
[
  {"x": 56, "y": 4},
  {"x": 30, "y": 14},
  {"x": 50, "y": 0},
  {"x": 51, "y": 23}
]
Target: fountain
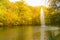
[
  {"x": 42, "y": 18},
  {"x": 42, "y": 24}
]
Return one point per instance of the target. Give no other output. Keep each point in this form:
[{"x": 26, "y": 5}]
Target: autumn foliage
[{"x": 18, "y": 14}]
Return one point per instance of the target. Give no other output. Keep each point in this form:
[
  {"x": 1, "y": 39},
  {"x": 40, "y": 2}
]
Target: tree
[
  {"x": 55, "y": 4},
  {"x": 53, "y": 15}
]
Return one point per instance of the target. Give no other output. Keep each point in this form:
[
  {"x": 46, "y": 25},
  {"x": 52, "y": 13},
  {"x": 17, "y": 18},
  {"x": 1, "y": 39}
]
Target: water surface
[{"x": 22, "y": 33}]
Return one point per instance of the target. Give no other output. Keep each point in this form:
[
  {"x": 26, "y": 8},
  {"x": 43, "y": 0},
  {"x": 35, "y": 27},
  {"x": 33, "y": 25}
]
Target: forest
[{"x": 21, "y": 14}]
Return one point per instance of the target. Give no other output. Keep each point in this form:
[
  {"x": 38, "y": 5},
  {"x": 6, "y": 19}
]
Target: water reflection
[
  {"x": 21, "y": 33},
  {"x": 53, "y": 34}
]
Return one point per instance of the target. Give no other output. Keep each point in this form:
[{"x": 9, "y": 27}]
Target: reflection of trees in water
[
  {"x": 25, "y": 33},
  {"x": 53, "y": 35}
]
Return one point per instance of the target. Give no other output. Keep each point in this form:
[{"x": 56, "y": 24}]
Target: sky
[{"x": 35, "y": 3}]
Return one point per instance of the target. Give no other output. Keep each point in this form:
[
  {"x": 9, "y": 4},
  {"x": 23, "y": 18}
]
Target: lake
[{"x": 22, "y": 33}]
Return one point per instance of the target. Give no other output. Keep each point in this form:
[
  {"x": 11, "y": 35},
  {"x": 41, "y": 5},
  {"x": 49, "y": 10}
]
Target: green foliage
[
  {"x": 53, "y": 4},
  {"x": 53, "y": 35},
  {"x": 54, "y": 18}
]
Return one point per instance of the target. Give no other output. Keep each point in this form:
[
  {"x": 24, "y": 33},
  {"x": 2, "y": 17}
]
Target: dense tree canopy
[
  {"x": 21, "y": 14},
  {"x": 53, "y": 13},
  {"x": 18, "y": 13}
]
